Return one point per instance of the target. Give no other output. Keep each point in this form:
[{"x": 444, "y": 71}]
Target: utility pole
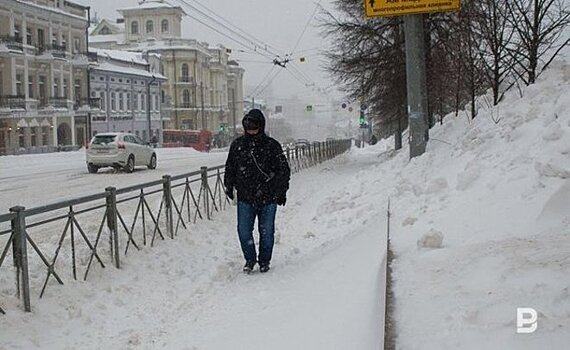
[
  {"x": 234, "y": 112},
  {"x": 148, "y": 105},
  {"x": 416, "y": 81},
  {"x": 202, "y": 102}
]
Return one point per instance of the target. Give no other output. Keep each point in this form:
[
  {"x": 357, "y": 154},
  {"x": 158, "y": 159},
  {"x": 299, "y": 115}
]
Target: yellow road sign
[{"x": 376, "y": 8}]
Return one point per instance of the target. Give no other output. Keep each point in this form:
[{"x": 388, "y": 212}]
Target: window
[
  {"x": 42, "y": 89},
  {"x": 163, "y": 97},
  {"x": 121, "y": 102},
  {"x": 21, "y": 139},
  {"x": 76, "y": 45},
  {"x": 128, "y": 102},
  {"x": 162, "y": 69},
  {"x": 19, "y": 90},
  {"x": 134, "y": 27},
  {"x": 29, "y": 36},
  {"x": 105, "y": 31},
  {"x": 149, "y": 26},
  {"x": 31, "y": 87},
  {"x": 55, "y": 87},
  {"x": 185, "y": 99},
  {"x": 164, "y": 26},
  {"x": 45, "y": 133},
  {"x": 33, "y": 139},
  {"x": 103, "y": 104},
  {"x": 65, "y": 88},
  {"x": 113, "y": 102},
  {"x": 184, "y": 72},
  {"x": 143, "y": 106},
  {"x": 77, "y": 90}
]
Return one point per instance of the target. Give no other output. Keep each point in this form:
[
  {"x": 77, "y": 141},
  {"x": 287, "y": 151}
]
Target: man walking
[{"x": 257, "y": 168}]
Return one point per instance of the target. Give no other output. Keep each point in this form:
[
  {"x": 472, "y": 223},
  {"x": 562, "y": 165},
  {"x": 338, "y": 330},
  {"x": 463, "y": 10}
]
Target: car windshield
[{"x": 103, "y": 139}]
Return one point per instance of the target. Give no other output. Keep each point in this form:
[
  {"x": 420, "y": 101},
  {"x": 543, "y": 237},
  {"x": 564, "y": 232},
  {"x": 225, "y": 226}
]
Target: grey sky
[{"x": 276, "y": 23}]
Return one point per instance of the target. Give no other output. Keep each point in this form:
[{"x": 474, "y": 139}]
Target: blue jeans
[{"x": 246, "y": 214}]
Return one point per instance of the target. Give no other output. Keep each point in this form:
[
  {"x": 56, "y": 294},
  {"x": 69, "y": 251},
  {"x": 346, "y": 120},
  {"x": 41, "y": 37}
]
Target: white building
[
  {"x": 127, "y": 84},
  {"x": 44, "y": 102},
  {"x": 201, "y": 79}
]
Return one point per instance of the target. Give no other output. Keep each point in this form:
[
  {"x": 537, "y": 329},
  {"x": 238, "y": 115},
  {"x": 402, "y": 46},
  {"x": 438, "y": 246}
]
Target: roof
[
  {"x": 153, "y": 4},
  {"x": 110, "y": 67},
  {"x": 120, "y": 55},
  {"x": 116, "y": 38}
]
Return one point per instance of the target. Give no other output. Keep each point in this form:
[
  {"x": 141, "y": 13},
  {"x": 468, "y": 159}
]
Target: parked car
[{"x": 119, "y": 150}]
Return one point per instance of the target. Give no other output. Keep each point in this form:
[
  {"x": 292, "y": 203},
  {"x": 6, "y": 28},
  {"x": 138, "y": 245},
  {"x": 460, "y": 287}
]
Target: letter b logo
[{"x": 527, "y": 320}]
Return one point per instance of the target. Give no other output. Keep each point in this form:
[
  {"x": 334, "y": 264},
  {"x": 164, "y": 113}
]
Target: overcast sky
[{"x": 279, "y": 24}]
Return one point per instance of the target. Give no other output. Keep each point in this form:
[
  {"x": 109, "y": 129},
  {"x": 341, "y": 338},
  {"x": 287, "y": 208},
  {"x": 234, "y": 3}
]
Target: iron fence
[{"x": 72, "y": 233}]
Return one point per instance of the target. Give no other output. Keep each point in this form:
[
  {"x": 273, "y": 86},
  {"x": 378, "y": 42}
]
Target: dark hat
[{"x": 254, "y": 119}]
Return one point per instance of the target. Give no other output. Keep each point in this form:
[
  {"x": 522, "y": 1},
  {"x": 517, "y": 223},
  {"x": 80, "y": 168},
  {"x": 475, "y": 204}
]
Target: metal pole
[
  {"x": 111, "y": 202},
  {"x": 21, "y": 255},
  {"x": 234, "y": 112},
  {"x": 416, "y": 83},
  {"x": 202, "y": 94},
  {"x": 148, "y": 105},
  {"x": 167, "y": 190},
  {"x": 206, "y": 190}
]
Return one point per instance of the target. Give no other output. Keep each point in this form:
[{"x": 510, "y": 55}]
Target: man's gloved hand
[
  {"x": 281, "y": 199},
  {"x": 230, "y": 193}
]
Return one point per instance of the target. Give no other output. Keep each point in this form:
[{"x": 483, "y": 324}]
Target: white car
[{"x": 119, "y": 150}]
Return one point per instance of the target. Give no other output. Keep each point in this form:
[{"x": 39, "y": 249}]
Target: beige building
[
  {"x": 201, "y": 79},
  {"x": 44, "y": 101}
]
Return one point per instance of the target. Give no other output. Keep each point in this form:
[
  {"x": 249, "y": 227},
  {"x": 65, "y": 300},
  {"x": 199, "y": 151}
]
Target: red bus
[{"x": 200, "y": 140}]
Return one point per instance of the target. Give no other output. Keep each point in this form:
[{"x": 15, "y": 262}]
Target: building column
[
  {"x": 26, "y": 78},
  {"x": 73, "y": 139},
  {"x": 12, "y": 23},
  {"x": 61, "y": 80},
  {"x": 49, "y": 89},
  {"x": 54, "y": 130},
  {"x": 13, "y": 74}
]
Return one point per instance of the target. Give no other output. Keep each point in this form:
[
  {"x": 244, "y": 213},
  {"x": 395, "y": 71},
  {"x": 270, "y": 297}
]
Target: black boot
[
  {"x": 248, "y": 267},
  {"x": 264, "y": 267}
]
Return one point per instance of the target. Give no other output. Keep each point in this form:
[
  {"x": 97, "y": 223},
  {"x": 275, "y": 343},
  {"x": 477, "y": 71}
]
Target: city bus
[{"x": 200, "y": 140}]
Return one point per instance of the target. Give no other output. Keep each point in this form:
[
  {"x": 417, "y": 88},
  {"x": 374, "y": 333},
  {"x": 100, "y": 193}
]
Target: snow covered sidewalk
[{"x": 324, "y": 290}]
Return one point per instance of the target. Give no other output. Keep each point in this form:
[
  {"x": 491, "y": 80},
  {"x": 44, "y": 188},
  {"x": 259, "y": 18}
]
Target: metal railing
[
  {"x": 13, "y": 101},
  {"x": 12, "y": 42},
  {"x": 73, "y": 232}
]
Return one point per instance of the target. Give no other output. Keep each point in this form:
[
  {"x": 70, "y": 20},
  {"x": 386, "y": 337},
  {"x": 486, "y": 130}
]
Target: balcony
[
  {"x": 59, "y": 102},
  {"x": 57, "y": 51},
  {"x": 13, "y": 43},
  {"x": 13, "y": 101},
  {"x": 186, "y": 80},
  {"x": 92, "y": 103}
]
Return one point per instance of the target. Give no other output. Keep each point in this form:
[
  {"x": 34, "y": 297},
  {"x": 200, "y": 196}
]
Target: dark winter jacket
[{"x": 257, "y": 168}]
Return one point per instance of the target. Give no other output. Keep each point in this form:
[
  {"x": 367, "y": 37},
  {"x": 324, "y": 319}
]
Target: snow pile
[{"x": 500, "y": 192}]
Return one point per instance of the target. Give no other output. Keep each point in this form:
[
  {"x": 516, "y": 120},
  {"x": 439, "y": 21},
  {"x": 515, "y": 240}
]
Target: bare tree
[
  {"x": 539, "y": 25},
  {"x": 367, "y": 61},
  {"x": 496, "y": 36}
]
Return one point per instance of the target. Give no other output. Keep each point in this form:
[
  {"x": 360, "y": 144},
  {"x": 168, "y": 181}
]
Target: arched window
[
  {"x": 105, "y": 31},
  {"x": 185, "y": 72},
  {"x": 149, "y": 26},
  {"x": 186, "y": 99},
  {"x": 164, "y": 26},
  {"x": 134, "y": 27}
]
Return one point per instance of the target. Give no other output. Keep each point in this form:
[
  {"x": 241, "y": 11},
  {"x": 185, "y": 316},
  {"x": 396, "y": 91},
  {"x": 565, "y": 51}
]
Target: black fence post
[
  {"x": 205, "y": 190},
  {"x": 20, "y": 250},
  {"x": 111, "y": 201},
  {"x": 167, "y": 195}
]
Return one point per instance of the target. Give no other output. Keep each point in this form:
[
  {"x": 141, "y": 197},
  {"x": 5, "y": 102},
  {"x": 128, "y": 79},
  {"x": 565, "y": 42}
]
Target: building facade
[
  {"x": 201, "y": 79},
  {"x": 128, "y": 84},
  {"x": 44, "y": 101}
]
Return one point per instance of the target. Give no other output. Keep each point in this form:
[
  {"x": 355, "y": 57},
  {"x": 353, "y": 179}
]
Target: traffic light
[{"x": 362, "y": 119}]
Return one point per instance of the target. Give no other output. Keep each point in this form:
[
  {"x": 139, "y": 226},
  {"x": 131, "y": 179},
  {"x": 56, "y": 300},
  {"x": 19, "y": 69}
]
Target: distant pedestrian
[
  {"x": 373, "y": 140},
  {"x": 257, "y": 168}
]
